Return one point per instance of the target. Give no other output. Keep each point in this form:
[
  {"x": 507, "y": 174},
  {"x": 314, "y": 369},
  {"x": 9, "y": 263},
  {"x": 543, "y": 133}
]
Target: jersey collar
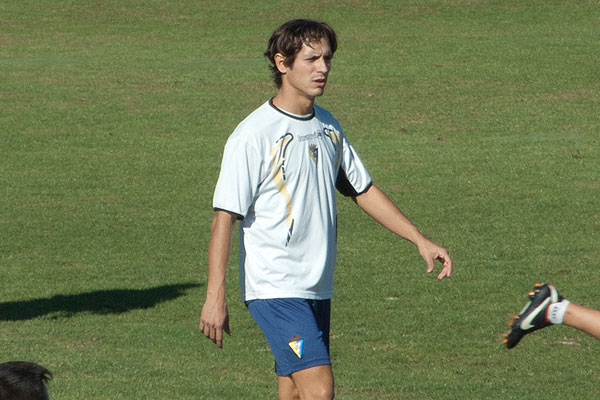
[{"x": 295, "y": 116}]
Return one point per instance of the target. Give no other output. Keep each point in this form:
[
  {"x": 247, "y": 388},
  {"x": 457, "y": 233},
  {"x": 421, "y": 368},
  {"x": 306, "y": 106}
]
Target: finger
[
  {"x": 447, "y": 268},
  {"x": 219, "y": 339},
  {"x": 444, "y": 274},
  {"x": 203, "y": 327},
  {"x": 430, "y": 265},
  {"x": 210, "y": 332},
  {"x": 447, "y": 262},
  {"x": 226, "y": 328}
]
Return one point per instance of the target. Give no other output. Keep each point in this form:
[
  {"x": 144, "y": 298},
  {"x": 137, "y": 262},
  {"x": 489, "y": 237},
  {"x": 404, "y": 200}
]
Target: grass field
[{"x": 479, "y": 118}]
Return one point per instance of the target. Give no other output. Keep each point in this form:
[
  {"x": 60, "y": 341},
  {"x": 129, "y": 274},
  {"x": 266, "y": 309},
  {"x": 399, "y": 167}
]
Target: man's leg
[
  {"x": 315, "y": 383},
  {"x": 548, "y": 307},
  {"x": 582, "y": 318},
  {"x": 297, "y": 331},
  {"x": 287, "y": 388}
]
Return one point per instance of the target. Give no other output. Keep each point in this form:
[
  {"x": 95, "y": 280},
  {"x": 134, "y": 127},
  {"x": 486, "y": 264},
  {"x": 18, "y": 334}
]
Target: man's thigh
[{"x": 297, "y": 331}]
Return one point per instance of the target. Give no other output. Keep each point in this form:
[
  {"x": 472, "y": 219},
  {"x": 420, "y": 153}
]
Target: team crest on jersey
[
  {"x": 297, "y": 345},
  {"x": 314, "y": 152}
]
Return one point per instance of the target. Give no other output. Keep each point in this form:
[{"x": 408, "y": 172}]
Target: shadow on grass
[{"x": 114, "y": 301}]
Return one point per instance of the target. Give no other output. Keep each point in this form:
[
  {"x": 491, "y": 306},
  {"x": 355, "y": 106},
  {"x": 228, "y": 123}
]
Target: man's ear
[{"x": 280, "y": 63}]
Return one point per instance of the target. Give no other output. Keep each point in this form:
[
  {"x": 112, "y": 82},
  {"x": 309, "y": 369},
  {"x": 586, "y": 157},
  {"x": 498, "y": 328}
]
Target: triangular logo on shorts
[{"x": 297, "y": 345}]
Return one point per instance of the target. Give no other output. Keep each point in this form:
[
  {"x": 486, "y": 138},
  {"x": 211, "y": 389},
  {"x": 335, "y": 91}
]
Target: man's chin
[{"x": 320, "y": 92}]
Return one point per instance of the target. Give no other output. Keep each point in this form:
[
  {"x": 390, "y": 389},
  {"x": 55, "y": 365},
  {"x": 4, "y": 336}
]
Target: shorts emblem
[{"x": 297, "y": 345}]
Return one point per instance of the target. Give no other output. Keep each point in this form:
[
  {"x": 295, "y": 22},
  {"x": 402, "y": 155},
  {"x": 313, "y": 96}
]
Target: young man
[
  {"x": 280, "y": 170},
  {"x": 20, "y": 380},
  {"x": 547, "y": 307}
]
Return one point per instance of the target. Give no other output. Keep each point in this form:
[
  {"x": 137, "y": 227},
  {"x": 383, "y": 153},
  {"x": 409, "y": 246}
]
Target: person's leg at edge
[
  {"x": 582, "y": 318},
  {"x": 287, "y": 388},
  {"x": 314, "y": 383}
]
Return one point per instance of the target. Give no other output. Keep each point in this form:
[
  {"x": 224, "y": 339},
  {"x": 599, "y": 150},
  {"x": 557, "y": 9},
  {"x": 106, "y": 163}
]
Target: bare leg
[
  {"x": 315, "y": 383},
  {"x": 582, "y": 318},
  {"x": 287, "y": 388}
]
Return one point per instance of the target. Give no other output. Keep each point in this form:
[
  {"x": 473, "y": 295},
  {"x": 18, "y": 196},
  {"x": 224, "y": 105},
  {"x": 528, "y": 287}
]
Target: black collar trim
[{"x": 294, "y": 116}]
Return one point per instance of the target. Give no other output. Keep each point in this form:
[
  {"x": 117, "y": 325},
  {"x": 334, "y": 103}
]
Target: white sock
[{"x": 556, "y": 312}]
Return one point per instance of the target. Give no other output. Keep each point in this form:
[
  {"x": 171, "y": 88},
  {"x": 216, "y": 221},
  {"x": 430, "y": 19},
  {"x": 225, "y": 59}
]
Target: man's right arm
[{"x": 215, "y": 316}]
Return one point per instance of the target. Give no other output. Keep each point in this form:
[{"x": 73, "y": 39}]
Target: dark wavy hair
[
  {"x": 288, "y": 39},
  {"x": 20, "y": 380}
]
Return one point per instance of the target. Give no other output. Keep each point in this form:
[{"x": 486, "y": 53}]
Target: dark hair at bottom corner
[{"x": 22, "y": 380}]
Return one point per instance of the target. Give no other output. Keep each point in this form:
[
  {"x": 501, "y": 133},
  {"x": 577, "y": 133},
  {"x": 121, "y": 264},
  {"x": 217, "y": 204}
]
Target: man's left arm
[{"x": 382, "y": 209}]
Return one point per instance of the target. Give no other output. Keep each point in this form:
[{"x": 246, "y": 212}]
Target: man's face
[{"x": 307, "y": 76}]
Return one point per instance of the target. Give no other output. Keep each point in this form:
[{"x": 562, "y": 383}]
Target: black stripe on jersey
[
  {"x": 299, "y": 117},
  {"x": 238, "y": 216},
  {"x": 343, "y": 185}
]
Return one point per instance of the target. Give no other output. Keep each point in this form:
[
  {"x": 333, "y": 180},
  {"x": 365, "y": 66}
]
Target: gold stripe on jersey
[{"x": 278, "y": 171}]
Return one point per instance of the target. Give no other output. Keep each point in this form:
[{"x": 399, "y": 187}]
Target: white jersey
[{"x": 279, "y": 174}]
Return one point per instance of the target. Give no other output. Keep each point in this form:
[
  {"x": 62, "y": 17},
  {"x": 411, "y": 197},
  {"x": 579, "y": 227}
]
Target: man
[
  {"x": 20, "y": 380},
  {"x": 547, "y": 307},
  {"x": 279, "y": 173}
]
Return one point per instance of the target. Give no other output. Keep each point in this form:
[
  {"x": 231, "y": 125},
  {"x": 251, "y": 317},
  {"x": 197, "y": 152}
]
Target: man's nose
[{"x": 323, "y": 65}]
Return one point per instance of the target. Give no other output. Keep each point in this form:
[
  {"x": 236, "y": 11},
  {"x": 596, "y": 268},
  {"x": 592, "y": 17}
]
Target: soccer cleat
[{"x": 534, "y": 315}]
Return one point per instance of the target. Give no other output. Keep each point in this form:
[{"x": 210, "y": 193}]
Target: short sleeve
[
  {"x": 239, "y": 178},
  {"x": 353, "y": 177}
]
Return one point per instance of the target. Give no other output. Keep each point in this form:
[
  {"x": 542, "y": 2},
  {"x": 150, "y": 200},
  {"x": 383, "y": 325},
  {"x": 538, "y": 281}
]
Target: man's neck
[{"x": 294, "y": 105}]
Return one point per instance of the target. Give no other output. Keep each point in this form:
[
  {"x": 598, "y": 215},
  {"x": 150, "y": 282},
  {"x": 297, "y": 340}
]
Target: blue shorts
[{"x": 297, "y": 331}]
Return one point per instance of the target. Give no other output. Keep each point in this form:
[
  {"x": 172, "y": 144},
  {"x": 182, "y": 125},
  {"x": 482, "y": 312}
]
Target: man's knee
[
  {"x": 321, "y": 393},
  {"x": 315, "y": 383}
]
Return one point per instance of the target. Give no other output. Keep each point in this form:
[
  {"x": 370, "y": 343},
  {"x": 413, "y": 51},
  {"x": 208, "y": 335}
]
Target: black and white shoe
[{"x": 534, "y": 315}]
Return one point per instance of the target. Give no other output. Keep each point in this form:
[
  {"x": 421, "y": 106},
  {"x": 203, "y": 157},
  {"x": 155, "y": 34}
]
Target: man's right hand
[
  {"x": 215, "y": 316},
  {"x": 214, "y": 320}
]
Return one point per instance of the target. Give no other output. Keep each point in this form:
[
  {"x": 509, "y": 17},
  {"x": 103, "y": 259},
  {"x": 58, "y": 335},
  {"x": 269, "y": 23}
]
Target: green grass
[{"x": 480, "y": 119}]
